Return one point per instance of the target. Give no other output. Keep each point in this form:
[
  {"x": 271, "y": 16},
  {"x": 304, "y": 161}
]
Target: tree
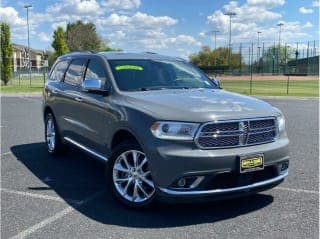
[
  {"x": 6, "y": 53},
  {"x": 59, "y": 43},
  {"x": 83, "y": 36},
  {"x": 217, "y": 57}
]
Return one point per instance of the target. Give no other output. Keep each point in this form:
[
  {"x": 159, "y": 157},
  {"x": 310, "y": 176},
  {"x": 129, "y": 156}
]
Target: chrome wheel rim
[
  {"x": 132, "y": 177},
  {"x": 50, "y": 135}
]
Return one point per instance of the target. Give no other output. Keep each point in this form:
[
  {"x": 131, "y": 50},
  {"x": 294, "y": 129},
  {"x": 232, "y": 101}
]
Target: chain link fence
[
  {"x": 34, "y": 78},
  {"x": 269, "y": 68},
  {"x": 299, "y": 58}
]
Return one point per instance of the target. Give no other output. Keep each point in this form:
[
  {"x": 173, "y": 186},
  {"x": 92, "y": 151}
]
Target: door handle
[{"x": 79, "y": 99}]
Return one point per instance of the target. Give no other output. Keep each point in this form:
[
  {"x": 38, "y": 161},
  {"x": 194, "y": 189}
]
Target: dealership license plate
[{"x": 249, "y": 163}]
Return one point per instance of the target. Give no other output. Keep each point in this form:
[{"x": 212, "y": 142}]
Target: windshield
[{"x": 137, "y": 75}]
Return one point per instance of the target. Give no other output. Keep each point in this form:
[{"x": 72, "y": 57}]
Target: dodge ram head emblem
[{"x": 244, "y": 129}]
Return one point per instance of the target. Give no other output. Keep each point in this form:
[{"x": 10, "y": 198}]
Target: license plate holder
[{"x": 253, "y": 162}]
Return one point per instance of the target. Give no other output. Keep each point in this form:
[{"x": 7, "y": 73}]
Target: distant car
[{"x": 164, "y": 129}]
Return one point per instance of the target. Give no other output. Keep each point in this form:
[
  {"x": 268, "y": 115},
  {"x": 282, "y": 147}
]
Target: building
[{"x": 20, "y": 58}]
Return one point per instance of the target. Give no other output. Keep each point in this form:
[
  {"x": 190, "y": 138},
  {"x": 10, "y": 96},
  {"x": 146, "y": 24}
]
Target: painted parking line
[
  {"x": 6, "y": 153},
  {"x": 297, "y": 190},
  {"x": 35, "y": 195},
  {"x": 55, "y": 217}
]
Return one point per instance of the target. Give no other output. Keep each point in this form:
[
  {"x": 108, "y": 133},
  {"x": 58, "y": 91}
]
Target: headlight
[
  {"x": 281, "y": 123},
  {"x": 174, "y": 130}
]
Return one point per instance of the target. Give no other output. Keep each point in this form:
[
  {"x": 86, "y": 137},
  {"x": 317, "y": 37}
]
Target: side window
[
  {"x": 75, "y": 72},
  {"x": 95, "y": 70},
  {"x": 59, "y": 70}
]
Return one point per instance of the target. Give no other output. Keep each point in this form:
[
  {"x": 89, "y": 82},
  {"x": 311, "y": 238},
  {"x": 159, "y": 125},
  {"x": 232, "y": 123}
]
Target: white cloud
[
  {"x": 245, "y": 22},
  {"x": 75, "y": 7},
  {"x": 266, "y": 3},
  {"x": 316, "y": 3},
  {"x": 10, "y": 16},
  {"x": 62, "y": 24},
  {"x": 202, "y": 34},
  {"x": 141, "y": 31},
  {"x": 184, "y": 39},
  {"x": 304, "y": 10},
  {"x": 138, "y": 20},
  {"x": 18, "y": 25},
  {"x": 145, "y": 20},
  {"x": 253, "y": 16},
  {"x": 308, "y": 25},
  {"x": 43, "y": 37},
  {"x": 113, "y": 5}
]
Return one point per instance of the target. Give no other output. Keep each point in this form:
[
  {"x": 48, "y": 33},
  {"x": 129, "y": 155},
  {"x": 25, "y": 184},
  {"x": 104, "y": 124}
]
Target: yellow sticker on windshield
[{"x": 128, "y": 67}]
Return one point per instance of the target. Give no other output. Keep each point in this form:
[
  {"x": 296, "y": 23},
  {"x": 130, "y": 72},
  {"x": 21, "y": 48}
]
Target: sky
[{"x": 171, "y": 27}]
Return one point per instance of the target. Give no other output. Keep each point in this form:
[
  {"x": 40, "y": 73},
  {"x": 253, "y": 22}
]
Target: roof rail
[
  {"x": 77, "y": 52},
  {"x": 149, "y": 52}
]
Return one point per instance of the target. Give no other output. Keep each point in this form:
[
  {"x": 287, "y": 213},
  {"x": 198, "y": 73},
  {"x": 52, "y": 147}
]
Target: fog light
[
  {"x": 182, "y": 182},
  {"x": 284, "y": 166}
]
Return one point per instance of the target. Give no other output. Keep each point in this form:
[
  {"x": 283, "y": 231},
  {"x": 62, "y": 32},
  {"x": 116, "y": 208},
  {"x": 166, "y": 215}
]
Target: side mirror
[
  {"x": 217, "y": 82},
  {"x": 92, "y": 85}
]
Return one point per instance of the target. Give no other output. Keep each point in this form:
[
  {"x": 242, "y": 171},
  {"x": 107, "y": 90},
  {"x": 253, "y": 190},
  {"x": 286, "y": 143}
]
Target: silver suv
[{"x": 163, "y": 128}]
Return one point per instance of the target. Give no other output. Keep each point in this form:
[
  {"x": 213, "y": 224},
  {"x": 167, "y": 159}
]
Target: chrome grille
[{"x": 236, "y": 133}]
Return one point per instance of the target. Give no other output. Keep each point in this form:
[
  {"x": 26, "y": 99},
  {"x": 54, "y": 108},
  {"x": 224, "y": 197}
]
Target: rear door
[
  {"x": 71, "y": 106},
  {"x": 53, "y": 91}
]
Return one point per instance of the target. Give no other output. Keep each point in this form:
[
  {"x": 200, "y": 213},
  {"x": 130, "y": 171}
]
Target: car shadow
[{"x": 73, "y": 177}]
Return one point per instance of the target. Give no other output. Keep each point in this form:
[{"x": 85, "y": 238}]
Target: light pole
[
  {"x": 29, "y": 56},
  {"x": 259, "y": 44},
  {"x": 280, "y": 25},
  {"x": 258, "y": 54},
  {"x": 230, "y": 14},
  {"x": 278, "y": 55},
  {"x": 215, "y": 43}
]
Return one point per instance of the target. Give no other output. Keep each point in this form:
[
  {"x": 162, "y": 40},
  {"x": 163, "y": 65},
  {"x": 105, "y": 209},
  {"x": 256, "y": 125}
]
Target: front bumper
[
  {"x": 170, "y": 162},
  {"x": 224, "y": 193}
]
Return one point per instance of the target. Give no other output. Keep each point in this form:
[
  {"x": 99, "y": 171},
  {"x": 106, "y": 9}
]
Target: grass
[
  {"x": 302, "y": 88},
  {"x": 23, "y": 86}
]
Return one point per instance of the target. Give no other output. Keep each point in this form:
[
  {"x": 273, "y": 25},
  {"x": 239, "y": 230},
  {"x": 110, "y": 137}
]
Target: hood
[{"x": 197, "y": 105}]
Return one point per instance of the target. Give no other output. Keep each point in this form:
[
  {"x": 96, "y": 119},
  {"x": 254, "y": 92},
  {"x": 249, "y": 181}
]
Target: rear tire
[
  {"x": 54, "y": 144},
  {"x": 129, "y": 177}
]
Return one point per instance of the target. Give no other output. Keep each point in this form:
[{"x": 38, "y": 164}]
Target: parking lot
[{"x": 66, "y": 197}]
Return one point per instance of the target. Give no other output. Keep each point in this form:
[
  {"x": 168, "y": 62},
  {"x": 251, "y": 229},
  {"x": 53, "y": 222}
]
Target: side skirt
[{"x": 86, "y": 149}]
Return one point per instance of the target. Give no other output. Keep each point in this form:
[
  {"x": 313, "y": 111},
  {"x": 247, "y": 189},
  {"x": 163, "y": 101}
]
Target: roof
[
  {"x": 25, "y": 48},
  {"x": 138, "y": 56},
  {"x": 125, "y": 55}
]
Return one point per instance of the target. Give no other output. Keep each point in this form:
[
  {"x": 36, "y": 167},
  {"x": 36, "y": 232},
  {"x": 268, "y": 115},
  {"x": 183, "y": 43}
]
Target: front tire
[
  {"x": 129, "y": 176},
  {"x": 52, "y": 137}
]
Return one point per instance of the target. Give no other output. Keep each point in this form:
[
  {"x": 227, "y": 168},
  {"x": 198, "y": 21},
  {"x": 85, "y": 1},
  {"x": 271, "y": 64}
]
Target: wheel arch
[
  {"x": 47, "y": 109},
  {"x": 122, "y": 135}
]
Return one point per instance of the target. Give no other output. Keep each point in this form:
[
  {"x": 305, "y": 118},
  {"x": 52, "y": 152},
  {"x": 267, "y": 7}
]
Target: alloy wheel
[
  {"x": 50, "y": 135},
  {"x": 132, "y": 177}
]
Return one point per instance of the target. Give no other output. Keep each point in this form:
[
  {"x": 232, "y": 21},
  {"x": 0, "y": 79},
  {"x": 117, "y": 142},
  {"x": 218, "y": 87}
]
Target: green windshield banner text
[{"x": 129, "y": 67}]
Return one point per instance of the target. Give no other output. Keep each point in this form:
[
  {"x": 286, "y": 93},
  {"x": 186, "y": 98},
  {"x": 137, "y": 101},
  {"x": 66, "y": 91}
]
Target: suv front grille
[{"x": 236, "y": 133}]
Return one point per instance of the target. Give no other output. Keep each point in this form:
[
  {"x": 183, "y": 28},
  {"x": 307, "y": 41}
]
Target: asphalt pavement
[{"x": 66, "y": 197}]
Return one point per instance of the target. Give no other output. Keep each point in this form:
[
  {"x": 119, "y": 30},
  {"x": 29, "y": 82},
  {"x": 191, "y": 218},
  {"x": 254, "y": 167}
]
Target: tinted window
[
  {"x": 95, "y": 70},
  {"x": 75, "y": 72},
  {"x": 157, "y": 74},
  {"x": 59, "y": 70}
]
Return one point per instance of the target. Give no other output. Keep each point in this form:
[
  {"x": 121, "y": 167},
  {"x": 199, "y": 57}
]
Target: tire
[
  {"x": 131, "y": 183},
  {"x": 54, "y": 144}
]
